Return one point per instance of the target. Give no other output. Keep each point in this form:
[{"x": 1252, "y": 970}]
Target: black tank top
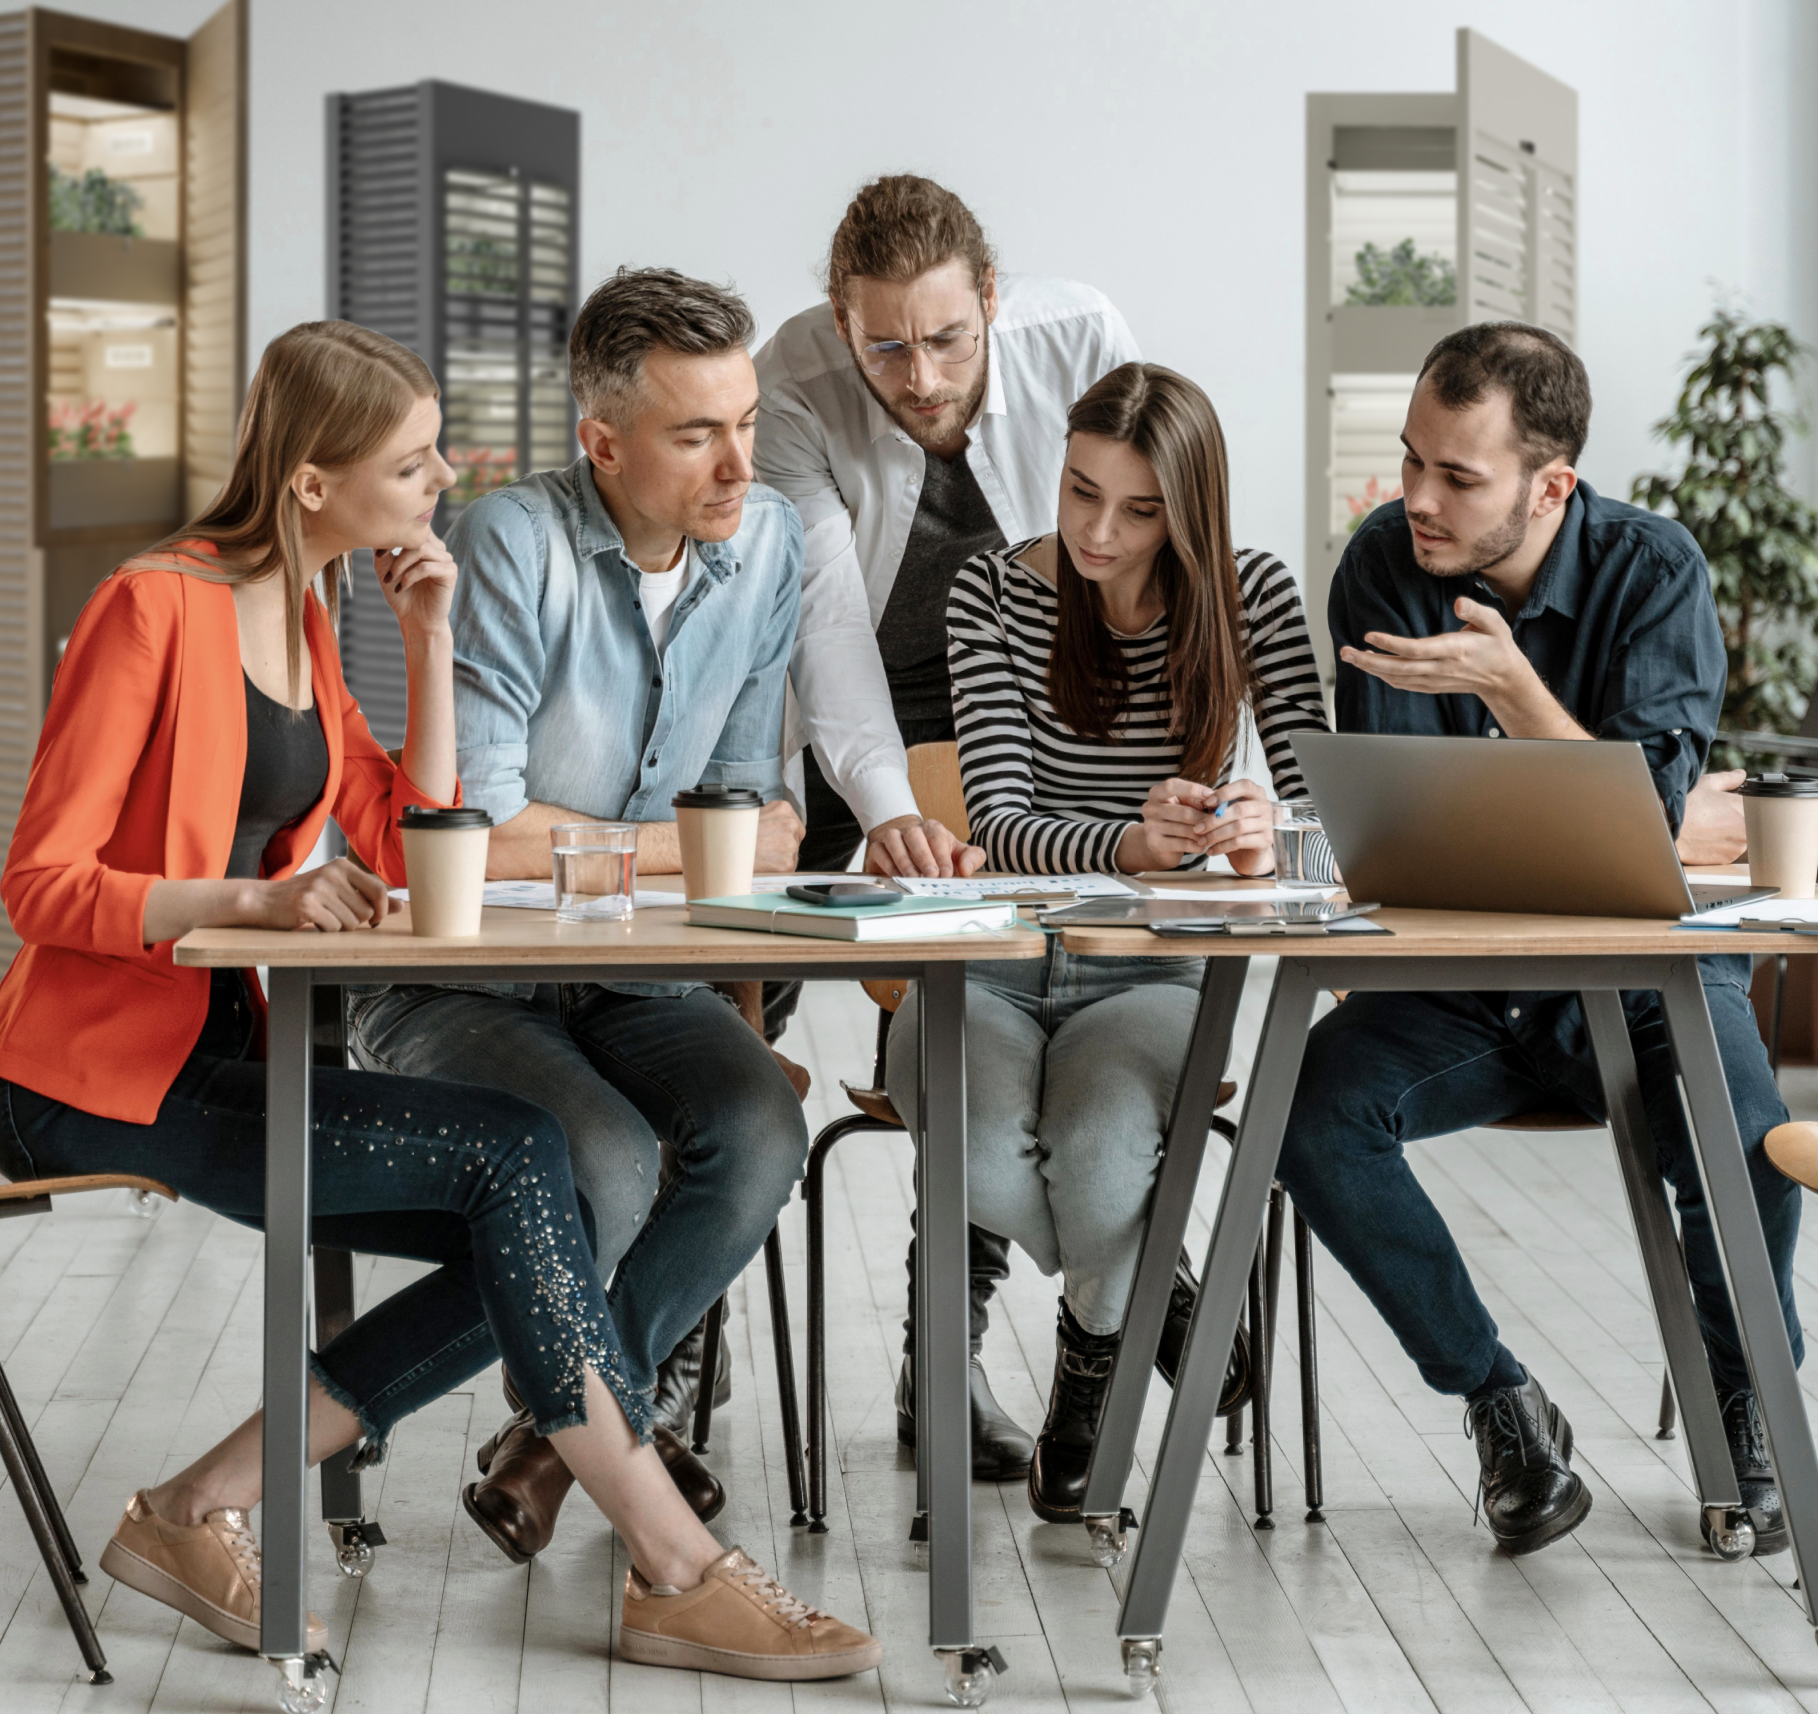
[{"x": 286, "y": 772}]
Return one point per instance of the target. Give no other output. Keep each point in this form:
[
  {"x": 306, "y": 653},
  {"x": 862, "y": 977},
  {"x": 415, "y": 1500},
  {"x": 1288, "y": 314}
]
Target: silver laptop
[{"x": 1551, "y": 826}]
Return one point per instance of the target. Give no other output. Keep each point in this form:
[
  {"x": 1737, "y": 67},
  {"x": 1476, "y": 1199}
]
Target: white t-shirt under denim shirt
[{"x": 658, "y": 592}]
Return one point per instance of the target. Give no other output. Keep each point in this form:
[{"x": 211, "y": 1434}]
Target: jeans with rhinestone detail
[{"x": 474, "y": 1180}]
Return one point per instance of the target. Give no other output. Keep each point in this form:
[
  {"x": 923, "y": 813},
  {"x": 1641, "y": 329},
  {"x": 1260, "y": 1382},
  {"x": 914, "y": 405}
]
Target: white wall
[{"x": 1153, "y": 148}]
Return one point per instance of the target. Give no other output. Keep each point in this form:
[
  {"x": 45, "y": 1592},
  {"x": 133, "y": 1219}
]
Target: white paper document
[
  {"x": 1010, "y": 886},
  {"x": 1261, "y": 895}
]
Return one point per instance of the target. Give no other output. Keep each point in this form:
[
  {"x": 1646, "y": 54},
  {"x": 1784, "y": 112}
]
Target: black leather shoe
[
  {"x": 1528, "y": 1492},
  {"x": 1000, "y": 1450},
  {"x": 1236, "y": 1393},
  {"x": 679, "y": 1379},
  {"x": 1063, "y": 1448},
  {"x": 1754, "y": 1475}
]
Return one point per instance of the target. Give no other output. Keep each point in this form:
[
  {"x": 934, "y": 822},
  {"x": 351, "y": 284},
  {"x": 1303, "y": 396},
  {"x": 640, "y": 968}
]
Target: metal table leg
[
  {"x": 287, "y": 1128},
  {"x": 1222, "y": 1283},
  {"x": 1195, "y": 1099},
  {"x": 944, "y": 1437},
  {"x": 1669, "y": 1286},
  {"x": 1746, "y": 1268}
]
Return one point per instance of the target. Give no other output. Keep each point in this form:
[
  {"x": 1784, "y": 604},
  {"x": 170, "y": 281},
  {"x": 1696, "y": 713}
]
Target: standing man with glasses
[{"x": 916, "y": 418}]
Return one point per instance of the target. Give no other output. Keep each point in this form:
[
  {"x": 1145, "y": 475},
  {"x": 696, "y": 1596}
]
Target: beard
[
  {"x": 923, "y": 432},
  {"x": 1491, "y": 548}
]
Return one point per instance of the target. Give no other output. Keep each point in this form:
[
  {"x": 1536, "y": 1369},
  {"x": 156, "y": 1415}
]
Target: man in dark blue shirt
[{"x": 1503, "y": 598}]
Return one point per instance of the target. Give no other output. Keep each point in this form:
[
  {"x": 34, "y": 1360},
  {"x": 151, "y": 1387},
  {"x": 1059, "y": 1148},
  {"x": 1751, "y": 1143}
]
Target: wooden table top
[
  {"x": 653, "y": 935},
  {"x": 1445, "y": 934}
]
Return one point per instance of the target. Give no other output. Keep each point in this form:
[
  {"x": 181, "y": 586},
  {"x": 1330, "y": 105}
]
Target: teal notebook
[{"x": 908, "y": 919}]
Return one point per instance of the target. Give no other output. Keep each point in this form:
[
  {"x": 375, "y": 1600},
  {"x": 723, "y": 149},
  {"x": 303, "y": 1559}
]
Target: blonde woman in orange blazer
[{"x": 199, "y": 736}]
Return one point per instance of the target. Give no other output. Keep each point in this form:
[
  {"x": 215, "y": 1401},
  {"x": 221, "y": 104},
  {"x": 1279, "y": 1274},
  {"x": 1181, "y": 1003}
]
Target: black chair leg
[
  {"x": 813, "y": 1202},
  {"x": 1259, "y": 1398},
  {"x": 1234, "y": 1434},
  {"x": 49, "y": 1529},
  {"x": 783, "y": 1345},
  {"x": 1669, "y": 1411},
  {"x": 710, "y": 1367},
  {"x": 1309, "y": 1370}
]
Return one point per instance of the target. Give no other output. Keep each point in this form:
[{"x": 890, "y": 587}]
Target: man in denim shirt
[
  {"x": 1503, "y": 598},
  {"x": 622, "y": 631}
]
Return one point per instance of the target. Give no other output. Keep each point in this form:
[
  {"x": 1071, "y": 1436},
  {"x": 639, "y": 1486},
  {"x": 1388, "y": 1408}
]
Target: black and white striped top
[{"x": 1041, "y": 799}]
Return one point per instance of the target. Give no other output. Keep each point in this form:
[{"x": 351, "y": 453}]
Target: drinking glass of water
[
  {"x": 1303, "y": 858},
  {"x": 596, "y": 869}
]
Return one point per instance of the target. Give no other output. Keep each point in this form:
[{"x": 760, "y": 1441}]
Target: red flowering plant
[
  {"x": 92, "y": 430},
  {"x": 1374, "y": 495}
]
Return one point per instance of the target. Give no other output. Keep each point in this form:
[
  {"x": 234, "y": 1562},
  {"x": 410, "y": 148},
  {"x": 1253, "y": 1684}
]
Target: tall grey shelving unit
[
  {"x": 452, "y": 227},
  {"x": 1486, "y": 180}
]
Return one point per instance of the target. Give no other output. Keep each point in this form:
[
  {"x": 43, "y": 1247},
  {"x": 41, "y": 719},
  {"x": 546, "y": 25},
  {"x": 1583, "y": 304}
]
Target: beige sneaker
[
  {"x": 208, "y": 1571},
  {"x": 738, "y": 1620}
]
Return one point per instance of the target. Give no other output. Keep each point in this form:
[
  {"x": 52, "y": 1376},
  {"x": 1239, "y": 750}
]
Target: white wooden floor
[{"x": 133, "y": 1344}]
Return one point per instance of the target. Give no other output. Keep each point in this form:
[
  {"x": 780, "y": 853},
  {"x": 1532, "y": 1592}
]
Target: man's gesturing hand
[
  {"x": 911, "y": 846},
  {"x": 1482, "y": 660}
]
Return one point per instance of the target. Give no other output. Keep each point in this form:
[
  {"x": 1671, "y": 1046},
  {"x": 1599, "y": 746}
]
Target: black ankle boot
[
  {"x": 1754, "y": 1475},
  {"x": 1063, "y": 1448},
  {"x": 1236, "y": 1392},
  {"x": 678, "y": 1380},
  {"x": 1528, "y": 1490},
  {"x": 1000, "y": 1450}
]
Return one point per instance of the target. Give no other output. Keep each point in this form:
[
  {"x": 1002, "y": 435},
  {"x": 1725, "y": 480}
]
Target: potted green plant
[{"x": 1760, "y": 541}]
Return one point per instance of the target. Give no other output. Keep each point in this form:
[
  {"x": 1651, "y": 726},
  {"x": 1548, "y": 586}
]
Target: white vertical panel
[
  {"x": 1517, "y": 183},
  {"x": 214, "y": 234}
]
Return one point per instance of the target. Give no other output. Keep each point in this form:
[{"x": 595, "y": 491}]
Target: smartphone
[{"x": 832, "y": 893}]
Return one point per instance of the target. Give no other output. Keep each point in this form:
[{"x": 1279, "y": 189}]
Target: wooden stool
[
  {"x": 1793, "y": 1148},
  {"x": 56, "y": 1546}
]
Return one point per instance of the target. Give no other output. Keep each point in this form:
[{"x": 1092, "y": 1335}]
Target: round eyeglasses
[{"x": 893, "y": 356}]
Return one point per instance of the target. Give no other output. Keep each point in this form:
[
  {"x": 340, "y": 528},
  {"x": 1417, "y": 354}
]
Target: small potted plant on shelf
[
  {"x": 1401, "y": 276},
  {"x": 94, "y": 203},
  {"x": 93, "y": 430},
  {"x": 1760, "y": 541}
]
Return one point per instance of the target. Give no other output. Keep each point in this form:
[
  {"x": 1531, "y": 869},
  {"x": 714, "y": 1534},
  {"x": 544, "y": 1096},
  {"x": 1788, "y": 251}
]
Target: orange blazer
[{"x": 137, "y": 778}]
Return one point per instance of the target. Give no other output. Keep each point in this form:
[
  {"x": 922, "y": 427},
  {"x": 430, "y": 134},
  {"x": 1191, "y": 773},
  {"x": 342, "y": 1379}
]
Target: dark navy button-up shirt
[{"x": 1621, "y": 627}]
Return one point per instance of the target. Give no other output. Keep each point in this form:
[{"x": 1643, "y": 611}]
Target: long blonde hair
[{"x": 327, "y": 393}]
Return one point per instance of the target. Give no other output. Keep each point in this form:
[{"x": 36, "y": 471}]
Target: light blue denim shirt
[{"x": 561, "y": 696}]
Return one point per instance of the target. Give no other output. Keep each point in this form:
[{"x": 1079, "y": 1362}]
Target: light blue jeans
[{"x": 1070, "y": 1071}]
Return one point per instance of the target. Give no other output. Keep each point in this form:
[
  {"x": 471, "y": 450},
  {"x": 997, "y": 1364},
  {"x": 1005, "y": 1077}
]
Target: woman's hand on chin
[{"x": 418, "y": 585}]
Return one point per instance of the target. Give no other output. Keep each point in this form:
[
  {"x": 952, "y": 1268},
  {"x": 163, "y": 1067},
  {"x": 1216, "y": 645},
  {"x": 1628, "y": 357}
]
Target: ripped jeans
[{"x": 470, "y": 1178}]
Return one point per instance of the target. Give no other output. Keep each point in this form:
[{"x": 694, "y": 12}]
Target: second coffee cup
[
  {"x": 1780, "y": 816},
  {"x": 717, "y": 828},
  {"x": 445, "y": 864}
]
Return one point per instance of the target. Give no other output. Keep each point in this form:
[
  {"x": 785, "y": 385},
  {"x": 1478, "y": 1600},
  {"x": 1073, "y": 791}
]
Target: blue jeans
[
  {"x": 474, "y": 1180},
  {"x": 1070, "y": 1071},
  {"x": 629, "y": 1076},
  {"x": 1386, "y": 1069}
]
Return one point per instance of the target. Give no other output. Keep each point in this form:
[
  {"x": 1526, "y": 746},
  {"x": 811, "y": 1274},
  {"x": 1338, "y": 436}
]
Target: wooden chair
[{"x": 56, "y": 1546}]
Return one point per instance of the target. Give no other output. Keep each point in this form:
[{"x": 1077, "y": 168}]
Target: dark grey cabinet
[{"x": 452, "y": 228}]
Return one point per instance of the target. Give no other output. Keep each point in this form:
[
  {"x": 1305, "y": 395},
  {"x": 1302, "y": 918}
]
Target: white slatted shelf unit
[
  {"x": 1424, "y": 212},
  {"x": 122, "y": 319},
  {"x": 451, "y": 227}
]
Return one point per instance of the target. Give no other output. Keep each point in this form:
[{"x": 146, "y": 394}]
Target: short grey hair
[{"x": 640, "y": 310}]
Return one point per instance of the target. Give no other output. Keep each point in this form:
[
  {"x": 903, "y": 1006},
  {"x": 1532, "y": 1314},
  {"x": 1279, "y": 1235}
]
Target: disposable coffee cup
[
  {"x": 1781, "y": 818},
  {"x": 718, "y": 830},
  {"x": 445, "y": 866}
]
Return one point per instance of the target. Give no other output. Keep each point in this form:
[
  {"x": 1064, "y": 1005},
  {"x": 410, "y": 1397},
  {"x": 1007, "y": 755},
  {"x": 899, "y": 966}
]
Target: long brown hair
[
  {"x": 1211, "y": 675},
  {"x": 326, "y": 393}
]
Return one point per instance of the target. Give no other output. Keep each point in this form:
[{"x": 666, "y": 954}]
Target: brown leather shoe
[{"x": 524, "y": 1482}]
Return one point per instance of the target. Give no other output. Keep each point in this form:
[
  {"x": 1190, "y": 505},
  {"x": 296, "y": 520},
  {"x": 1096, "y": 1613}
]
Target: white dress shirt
[{"x": 856, "y": 479}]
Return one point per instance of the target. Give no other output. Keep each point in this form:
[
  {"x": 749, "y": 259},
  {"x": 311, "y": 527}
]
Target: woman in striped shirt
[{"x": 1100, "y": 678}]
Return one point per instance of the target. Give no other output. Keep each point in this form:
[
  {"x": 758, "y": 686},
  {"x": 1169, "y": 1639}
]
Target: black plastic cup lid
[
  {"x": 1778, "y": 785},
  {"x": 417, "y": 818},
  {"x": 718, "y": 797}
]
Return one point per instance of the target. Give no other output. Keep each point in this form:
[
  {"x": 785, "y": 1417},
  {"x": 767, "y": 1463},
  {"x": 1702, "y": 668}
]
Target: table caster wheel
[
  {"x": 305, "y": 1686},
  {"x": 144, "y": 1204},
  {"x": 970, "y": 1674},
  {"x": 354, "y": 1547},
  {"x": 1142, "y": 1665},
  {"x": 1727, "y": 1531},
  {"x": 1109, "y": 1537}
]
